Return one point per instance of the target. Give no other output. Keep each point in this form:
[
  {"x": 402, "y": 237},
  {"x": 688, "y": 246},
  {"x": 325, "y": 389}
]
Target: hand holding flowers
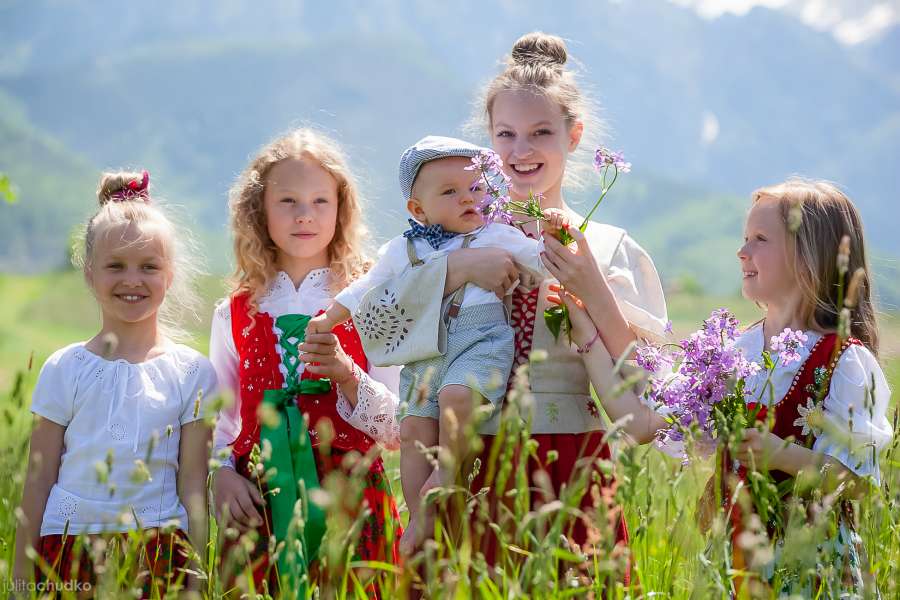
[{"x": 497, "y": 205}]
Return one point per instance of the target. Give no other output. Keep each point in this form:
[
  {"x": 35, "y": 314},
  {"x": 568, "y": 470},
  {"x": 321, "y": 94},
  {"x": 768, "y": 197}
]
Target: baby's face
[{"x": 445, "y": 193}]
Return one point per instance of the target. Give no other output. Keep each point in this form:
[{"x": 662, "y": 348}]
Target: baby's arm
[
  {"x": 43, "y": 470},
  {"x": 391, "y": 262},
  {"x": 525, "y": 251},
  {"x": 335, "y": 315}
]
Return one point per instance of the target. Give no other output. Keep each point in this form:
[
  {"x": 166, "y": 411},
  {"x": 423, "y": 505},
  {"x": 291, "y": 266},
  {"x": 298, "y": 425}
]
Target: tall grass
[{"x": 667, "y": 554}]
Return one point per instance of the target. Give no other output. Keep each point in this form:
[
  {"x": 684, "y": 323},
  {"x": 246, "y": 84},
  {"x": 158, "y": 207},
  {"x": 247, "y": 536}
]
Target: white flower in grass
[{"x": 811, "y": 417}]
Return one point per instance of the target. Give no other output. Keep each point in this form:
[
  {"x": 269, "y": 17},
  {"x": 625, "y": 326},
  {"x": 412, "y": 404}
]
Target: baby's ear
[{"x": 415, "y": 209}]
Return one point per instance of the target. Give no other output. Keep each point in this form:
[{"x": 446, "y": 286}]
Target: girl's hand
[
  {"x": 235, "y": 498},
  {"x": 575, "y": 268},
  {"x": 324, "y": 356},
  {"x": 490, "y": 268},
  {"x": 760, "y": 448},
  {"x": 583, "y": 327}
]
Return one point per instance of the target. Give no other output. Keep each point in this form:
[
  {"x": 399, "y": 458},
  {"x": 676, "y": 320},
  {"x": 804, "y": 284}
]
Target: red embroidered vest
[
  {"x": 258, "y": 371},
  {"x": 824, "y": 355}
]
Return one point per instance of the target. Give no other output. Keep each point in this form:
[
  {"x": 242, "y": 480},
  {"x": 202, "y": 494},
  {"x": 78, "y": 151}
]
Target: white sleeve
[
  {"x": 526, "y": 252},
  {"x": 856, "y": 426},
  {"x": 54, "y": 394},
  {"x": 224, "y": 358},
  {"x": 392, "y": 260},
  {"x": 375, "y": 412},
  {"x": 201, "y": 385},
  {"x": 638, "y": 290}
]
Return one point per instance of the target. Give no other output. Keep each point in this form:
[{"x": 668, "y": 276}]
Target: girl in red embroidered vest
[
  {"x": 129, "y": 399},
  {"x": 829, "y": 407},
  {"x": 297, "y": 224}
]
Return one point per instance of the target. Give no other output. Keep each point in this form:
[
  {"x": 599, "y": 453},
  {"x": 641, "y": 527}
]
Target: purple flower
[
  {"x": 604, "y": 158},
  {"x": 495, "y": 209},
  {"x": 650, "y": 358},
  {"x": 786, "y": 345},
  {"x": 486, "y": 160},
  {"x": 704, "y": 369}
]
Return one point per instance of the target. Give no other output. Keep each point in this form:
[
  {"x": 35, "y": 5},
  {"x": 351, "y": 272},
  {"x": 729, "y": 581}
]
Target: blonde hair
[
  {"x": 123, "y": 202},
  {"x": 818, "y": 216},
  {"x": 537, "y": 64},
  {"x": 254, "y": 250}
]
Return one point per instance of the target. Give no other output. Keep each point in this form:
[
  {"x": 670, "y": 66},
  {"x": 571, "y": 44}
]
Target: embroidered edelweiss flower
[{"x": 810, "y": 417}]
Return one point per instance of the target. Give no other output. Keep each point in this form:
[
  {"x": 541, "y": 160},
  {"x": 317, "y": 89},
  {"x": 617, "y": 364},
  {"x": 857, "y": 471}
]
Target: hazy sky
[{"x": 850, "y": 21}]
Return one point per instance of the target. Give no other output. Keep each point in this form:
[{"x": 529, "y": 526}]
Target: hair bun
[
  {"x": 123, "y": 185},
  {"x": 538, "y": 47}
]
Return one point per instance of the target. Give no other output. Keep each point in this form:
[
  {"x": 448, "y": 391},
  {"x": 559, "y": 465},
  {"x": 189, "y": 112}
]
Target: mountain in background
[{"x": 707, "y": 110}]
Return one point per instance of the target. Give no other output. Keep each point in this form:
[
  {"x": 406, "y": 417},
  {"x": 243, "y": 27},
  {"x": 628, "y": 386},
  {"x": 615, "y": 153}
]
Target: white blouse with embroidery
[
  {"x": 854, "y": 426},
  {"x": 376, "y": 405},
  {"x": 117, "y": 413}
]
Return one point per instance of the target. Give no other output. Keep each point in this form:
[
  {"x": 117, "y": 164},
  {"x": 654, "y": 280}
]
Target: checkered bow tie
[{"x": 433, "y": 234}]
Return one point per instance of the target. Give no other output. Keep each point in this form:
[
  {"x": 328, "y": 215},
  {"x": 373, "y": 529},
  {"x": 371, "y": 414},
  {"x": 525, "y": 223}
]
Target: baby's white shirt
[{"x": 393, "y": 260}]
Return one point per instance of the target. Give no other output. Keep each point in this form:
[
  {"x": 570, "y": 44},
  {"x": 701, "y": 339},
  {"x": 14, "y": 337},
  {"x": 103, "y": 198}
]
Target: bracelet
[{"x": 587, "y": 347}]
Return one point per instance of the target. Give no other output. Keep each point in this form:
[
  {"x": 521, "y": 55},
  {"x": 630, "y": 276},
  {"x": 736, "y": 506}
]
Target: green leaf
[
  {"x": 554, "y": 318},
  {"x": 7, "y": 189},
  {"x": 767, "y": 360}
]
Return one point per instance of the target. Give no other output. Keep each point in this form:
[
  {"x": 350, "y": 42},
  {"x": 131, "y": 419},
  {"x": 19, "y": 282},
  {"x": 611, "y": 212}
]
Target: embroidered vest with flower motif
[{"x": 256, "y": 341}]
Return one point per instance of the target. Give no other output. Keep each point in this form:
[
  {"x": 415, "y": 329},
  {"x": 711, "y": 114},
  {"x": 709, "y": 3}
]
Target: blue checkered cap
[{"x": 427, "y": 149}]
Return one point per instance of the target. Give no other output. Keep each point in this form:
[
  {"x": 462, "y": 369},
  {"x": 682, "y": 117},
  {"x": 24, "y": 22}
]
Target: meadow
[{"x": 668, "y": 557}]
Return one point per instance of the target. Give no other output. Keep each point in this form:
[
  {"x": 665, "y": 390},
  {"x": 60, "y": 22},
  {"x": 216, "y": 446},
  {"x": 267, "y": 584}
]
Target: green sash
[{"x": 293, "y": 464}]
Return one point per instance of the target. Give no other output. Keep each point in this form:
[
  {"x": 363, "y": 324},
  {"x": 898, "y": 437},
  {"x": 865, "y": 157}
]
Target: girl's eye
[
  {"x": 287, "y": 200},
  {"x": 151, "y": 268},
  {"x": 321, "y": 200},
  {"x": 504, "y": 133},
  {"x": 761, "y": 238},
  {"x": 114, "y": 266}
]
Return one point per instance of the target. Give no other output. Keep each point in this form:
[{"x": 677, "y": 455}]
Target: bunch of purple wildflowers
[
  {"x": 699, "y": 375},
  {"x": 700, "y": 384}
]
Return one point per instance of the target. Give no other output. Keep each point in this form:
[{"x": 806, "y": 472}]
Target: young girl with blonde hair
[
  {"x": 130, "y": 400},
  {"x": 804, "y": 260},
  {"x": 297, "y": 223}
]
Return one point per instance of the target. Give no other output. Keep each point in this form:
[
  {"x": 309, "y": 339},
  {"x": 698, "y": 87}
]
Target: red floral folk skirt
[
  {"x": 74, "y": 559},
  {"x": 575, "y": 452}
]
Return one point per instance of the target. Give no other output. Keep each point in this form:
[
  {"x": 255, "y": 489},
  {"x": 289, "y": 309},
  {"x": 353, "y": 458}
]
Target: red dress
[
  {"x": 258, "y": 371},
  {"x": 569, "y": 447}
]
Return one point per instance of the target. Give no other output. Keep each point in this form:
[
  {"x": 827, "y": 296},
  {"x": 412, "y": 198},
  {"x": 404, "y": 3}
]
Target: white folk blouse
[{"x": 117, "y": 413}]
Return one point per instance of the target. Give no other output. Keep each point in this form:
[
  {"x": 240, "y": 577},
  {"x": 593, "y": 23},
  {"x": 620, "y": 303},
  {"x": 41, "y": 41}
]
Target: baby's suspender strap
[
  {"x": 457, "y": 299},
  {"x": 414, "y": 259}
]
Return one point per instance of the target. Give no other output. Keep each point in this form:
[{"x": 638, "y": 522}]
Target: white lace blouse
[
  {"x": 376, "y": 405},
  {"x": 856, "y": 426},
  {"x": 117, "y": 413}
]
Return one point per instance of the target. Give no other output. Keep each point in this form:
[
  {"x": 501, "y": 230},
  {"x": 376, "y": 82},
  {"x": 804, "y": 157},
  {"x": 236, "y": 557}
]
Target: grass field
[{"x": 669, "y": 556}]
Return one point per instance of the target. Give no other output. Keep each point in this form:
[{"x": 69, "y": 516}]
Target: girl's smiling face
[
  {"x": 534, "y": 140},
  {"x": 301, "y": 204},
  {"x": 129, "y": 272},
  {"x": 768, "y": 274}
]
